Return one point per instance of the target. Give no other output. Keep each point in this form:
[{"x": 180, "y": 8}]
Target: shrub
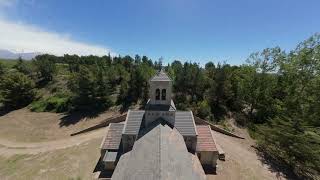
[
  {"x": 17, "y": 90},
  {"x": 57, "y": 103},
  {"x": 204, "y": 109}
]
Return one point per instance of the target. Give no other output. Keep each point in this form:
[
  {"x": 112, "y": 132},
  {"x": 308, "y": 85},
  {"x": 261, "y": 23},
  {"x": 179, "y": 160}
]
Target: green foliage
[
  {"x": 17, "y": 90},
  {"x": 57, "y": 103},
  {"x": 2, "y": 69},
  {"x": 204, "y": 109},
  {"x": 22, "y": 67},
  {"x": 299, "y": 150},
  {"x": 45, "y": 66},
  {"x": 288, "y": 99},
  {"x": 90, "y": 89},
  {"x": 134, "y": 82}
]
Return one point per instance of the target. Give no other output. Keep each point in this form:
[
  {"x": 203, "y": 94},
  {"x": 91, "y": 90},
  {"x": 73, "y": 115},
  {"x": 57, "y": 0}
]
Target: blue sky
[{"x": 195, "y": 30}]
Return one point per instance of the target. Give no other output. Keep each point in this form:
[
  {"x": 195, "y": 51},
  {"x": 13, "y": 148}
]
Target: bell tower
[
  {"x": 160, "y": 105},
  {"x": 160, "y": 89}
]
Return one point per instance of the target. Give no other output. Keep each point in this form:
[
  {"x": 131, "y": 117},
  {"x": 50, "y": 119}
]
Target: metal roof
[
  {"x": 205, "y": 141},
  {"x": 133, "y": 122},
  {"x": 184, "y": 122},
  {"x": 160, "y": 76},
  {"x": 110, "y": 156},
  {"x": 113, "y": 137},
  {"x": 160, "y": 154}
]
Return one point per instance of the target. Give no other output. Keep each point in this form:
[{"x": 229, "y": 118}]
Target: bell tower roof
[{"x": 160, "y": 76}]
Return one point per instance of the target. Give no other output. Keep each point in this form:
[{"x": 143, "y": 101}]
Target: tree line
[{"x": 276, "y": 94}]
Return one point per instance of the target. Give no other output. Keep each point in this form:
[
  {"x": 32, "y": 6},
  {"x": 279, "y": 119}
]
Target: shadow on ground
[
  {"x": 4, "y": 111},
  {"x": 74, "y": 117},
  {"x": 275, "y": 166},
  {"x": 103, "y": 173},
  {"x": 209, "y": 170}
]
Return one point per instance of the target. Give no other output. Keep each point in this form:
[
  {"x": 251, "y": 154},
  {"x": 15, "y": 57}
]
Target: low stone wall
[
  {"x": 214, "y": 127},
  {"x": 102, "y": 124}
]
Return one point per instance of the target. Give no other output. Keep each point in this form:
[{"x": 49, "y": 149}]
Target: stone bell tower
[
  {"x": 160, "y": 89},
  {"x": 160, "y": 104}
]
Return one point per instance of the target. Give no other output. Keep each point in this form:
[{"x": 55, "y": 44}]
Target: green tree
[
  {"x": 204, "y": 109},
  {"x": 17, "y": 90},
  {"x": 292, "y": 137},
  {"x": 22, "y": 67},
  {"x": 2, "y": 69},
  {"x": 90, "y": 89},
  {"x": 45, "y": 66}
]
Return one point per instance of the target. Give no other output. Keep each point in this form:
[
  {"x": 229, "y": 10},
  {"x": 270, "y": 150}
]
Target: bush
[
  {"x": 17, "y": 90},
  {"x": 204, "y": 109},
  {"x": 58, "y": 103},
  {"x": 22, "y": 67}
]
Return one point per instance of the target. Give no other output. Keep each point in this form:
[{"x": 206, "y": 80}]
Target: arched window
[
  {"x": 163, "y": 94},
  {"x": 157, "y": 94}
]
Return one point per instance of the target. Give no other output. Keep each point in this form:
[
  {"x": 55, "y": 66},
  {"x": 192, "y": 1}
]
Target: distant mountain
[{"x": 5, "y": 54}]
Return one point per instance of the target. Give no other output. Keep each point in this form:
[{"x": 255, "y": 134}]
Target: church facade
[{"x": 159, "y": 111}]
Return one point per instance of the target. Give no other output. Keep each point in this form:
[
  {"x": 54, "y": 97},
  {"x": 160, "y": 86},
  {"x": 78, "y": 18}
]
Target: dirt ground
[
  {"x": 76, "y": 162},
  {"x": 56, "y": 155},
  {"x": 25, "y": 126},
  {"x": 242, "y": 161}
]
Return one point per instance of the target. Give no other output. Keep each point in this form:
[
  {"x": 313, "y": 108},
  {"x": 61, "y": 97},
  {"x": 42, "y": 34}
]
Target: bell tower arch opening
[
  {"x": 157, "y": 94},
  {"x": 163, "y": 94}
]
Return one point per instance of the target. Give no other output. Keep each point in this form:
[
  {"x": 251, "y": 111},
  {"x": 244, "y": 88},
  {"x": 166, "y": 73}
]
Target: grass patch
[
  {"x": 226, "y": 126},
  {"x": 8, "y": 63},
  {"x": 57, "y": 103}
]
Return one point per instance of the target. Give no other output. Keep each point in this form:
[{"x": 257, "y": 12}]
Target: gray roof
[
  {"x": 160, "y": 154},
  {"x": 160, "y": 107},
  {"x": 185, "y": 124},
  {"x": 113, "y": 137},
  {"x": 110, "y": 156},
  {"x": 133, "y": 122},
  {"x": 160, "y": 76}
]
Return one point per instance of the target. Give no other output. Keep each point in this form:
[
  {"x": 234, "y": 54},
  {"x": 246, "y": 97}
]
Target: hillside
[{"x": 53, "y": 154}]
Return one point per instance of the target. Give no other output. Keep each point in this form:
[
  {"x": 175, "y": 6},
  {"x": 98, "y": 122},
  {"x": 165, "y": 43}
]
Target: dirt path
[{"x": 9, "y": 148}]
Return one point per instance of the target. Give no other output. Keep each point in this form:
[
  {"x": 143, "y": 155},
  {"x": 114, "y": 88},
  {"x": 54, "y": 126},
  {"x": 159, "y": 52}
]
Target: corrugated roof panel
[
  {"x": 205, "y": 141},
  {"x": 133, "y": 122},
  {"x": 184, "y": 123},
  {"x": 113, "y": 137}
]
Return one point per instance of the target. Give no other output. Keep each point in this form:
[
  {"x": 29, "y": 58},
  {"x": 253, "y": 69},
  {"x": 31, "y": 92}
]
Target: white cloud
[{"x": 19, "y": 37}]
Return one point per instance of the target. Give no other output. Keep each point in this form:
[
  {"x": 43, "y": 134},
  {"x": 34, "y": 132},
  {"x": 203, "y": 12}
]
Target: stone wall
[
  {"x": 215, "y": 128},
  {"x": 102, "y": 124}
]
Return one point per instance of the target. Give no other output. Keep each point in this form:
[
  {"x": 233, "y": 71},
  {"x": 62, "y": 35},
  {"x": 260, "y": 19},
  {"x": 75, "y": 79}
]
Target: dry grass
[
  {"x": 72, "y": 163},
  {"x": 26, "y": 126}
]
